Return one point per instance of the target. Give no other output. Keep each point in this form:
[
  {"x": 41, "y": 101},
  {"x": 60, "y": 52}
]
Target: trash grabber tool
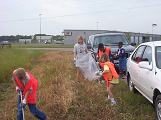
[{"x": 22, "y": 108}]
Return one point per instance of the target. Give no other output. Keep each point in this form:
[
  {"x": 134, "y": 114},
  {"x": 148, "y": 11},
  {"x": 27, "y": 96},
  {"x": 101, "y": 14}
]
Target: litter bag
[{"x": 88, "y": 66}]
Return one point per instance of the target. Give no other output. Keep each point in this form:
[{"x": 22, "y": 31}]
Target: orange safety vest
[
  {"x": 112, "y": 71},
  {"x": 137, "y": 59},
  {"x": 107, "y": 50},
  {"x": 31, "y": 83}
]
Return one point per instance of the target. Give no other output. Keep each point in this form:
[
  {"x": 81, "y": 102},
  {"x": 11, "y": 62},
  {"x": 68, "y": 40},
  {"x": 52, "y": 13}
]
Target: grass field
[
  {"x": 37, "y": 45},
  {"x": 59, "y": 96},
  {"x": 11, "y": 59}
]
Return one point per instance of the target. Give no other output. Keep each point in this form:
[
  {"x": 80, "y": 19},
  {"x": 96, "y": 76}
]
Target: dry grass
[
  {"x": 59, "y": 96},
  {"x": 55, "y": 92}
]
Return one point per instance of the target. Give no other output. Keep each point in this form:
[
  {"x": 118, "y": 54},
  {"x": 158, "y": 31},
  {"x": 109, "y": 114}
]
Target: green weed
[
  {"x": 11, "y": 59},
  {"x": 32, "y": 45},
  {"x": 60, "y": 97}
]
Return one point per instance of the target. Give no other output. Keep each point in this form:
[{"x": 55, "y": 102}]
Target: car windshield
[
  {"x": 158, "y": 57},
  {"x": 110, "y": 40}
]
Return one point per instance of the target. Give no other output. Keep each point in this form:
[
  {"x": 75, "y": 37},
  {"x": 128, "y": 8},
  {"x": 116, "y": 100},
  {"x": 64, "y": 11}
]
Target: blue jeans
[
  {"x": 122, "y": 63},
  {"x": 37, "y": 113}
]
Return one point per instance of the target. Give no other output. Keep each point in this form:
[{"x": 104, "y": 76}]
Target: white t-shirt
[
  {"x": 80, "y": 50},
  {"x": 24, "y": 81}
]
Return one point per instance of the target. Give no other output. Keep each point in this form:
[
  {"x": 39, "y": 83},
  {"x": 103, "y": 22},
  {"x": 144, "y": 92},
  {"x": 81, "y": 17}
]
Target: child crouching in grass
[
  {"x": 110, "y": 75},
  {"x": 27, "y": 84}
]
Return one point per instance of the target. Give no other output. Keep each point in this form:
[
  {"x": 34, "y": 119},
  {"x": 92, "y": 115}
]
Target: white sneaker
[
  {"x": 99, "y": 82},
  {"x": 124, "y": 77},
  {"x": 113, "y": 103},
  {"x": 103, "y": 81},
  {"x": 107, "y": 99}
]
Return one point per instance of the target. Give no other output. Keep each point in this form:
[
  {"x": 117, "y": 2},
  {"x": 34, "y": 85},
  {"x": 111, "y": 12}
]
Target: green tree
[
  {"x": 128, "y": 36},
  {"x": 25, "y": 39},
  {"x": 51, "y": 39},
  {"x": 8, "y": 39},
  {"x": 34, "y": 38},
  {"x": 63, "y": 35}
]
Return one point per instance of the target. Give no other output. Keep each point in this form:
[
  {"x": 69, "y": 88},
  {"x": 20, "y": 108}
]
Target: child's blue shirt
[{"x": 121, "y": 51}]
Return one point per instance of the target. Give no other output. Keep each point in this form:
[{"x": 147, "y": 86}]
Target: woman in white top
[{"x": 80, "y": 49}]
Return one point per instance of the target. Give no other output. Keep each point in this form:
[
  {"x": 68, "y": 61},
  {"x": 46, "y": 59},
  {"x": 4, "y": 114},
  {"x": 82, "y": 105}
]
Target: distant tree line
[
  {"x": 16, "y": 38},
  {"x": 13, "y": 38},
  {"x": 58, "y": 37}
]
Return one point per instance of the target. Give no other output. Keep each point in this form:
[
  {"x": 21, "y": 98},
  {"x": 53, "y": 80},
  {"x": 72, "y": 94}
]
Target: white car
[
  {"x": 144, "y": 73},
  {"x": 5, "y": 43}
]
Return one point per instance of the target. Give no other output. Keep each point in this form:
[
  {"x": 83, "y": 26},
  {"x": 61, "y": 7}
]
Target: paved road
[{"x": 56, "y": 49}]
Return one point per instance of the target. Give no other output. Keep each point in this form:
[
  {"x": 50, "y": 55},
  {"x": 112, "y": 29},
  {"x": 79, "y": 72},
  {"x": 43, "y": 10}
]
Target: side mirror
[
  {"x": 133, "y": 43},
  {"x": 89, "y": 47},
  {"x": 145, "y": 65}
]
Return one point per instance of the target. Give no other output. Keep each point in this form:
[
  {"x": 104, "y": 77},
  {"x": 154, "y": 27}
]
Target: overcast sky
[{"x": 21, "y": 17}]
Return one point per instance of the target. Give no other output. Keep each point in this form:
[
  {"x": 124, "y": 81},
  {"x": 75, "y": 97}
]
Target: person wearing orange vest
[
  {"x": 110, "y": 75},
  {"x": 107, "y": 50},
  {"x": 27, "y": 84}
]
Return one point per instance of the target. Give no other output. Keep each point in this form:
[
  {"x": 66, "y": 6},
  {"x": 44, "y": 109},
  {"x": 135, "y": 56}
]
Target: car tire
[
  {"x": 131, "y": 85},
  {"x": 158, "y": 107}
]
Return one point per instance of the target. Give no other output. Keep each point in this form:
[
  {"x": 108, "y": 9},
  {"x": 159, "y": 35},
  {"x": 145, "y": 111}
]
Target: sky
[{"x": 21, "y": 17}]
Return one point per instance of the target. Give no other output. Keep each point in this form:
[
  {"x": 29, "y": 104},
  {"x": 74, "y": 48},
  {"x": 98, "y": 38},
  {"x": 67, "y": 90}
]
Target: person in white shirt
[{"x": 80, "y": 49}]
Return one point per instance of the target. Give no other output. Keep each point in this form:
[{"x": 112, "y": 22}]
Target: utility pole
[{"x": 40, "y": 27}]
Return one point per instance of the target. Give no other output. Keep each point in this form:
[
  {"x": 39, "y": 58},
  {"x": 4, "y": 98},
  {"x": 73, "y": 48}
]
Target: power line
[
  {"x": 83, "y": 13},
  {"x": 99, "y": 4},
  {"x": 84, "y": 6}
]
